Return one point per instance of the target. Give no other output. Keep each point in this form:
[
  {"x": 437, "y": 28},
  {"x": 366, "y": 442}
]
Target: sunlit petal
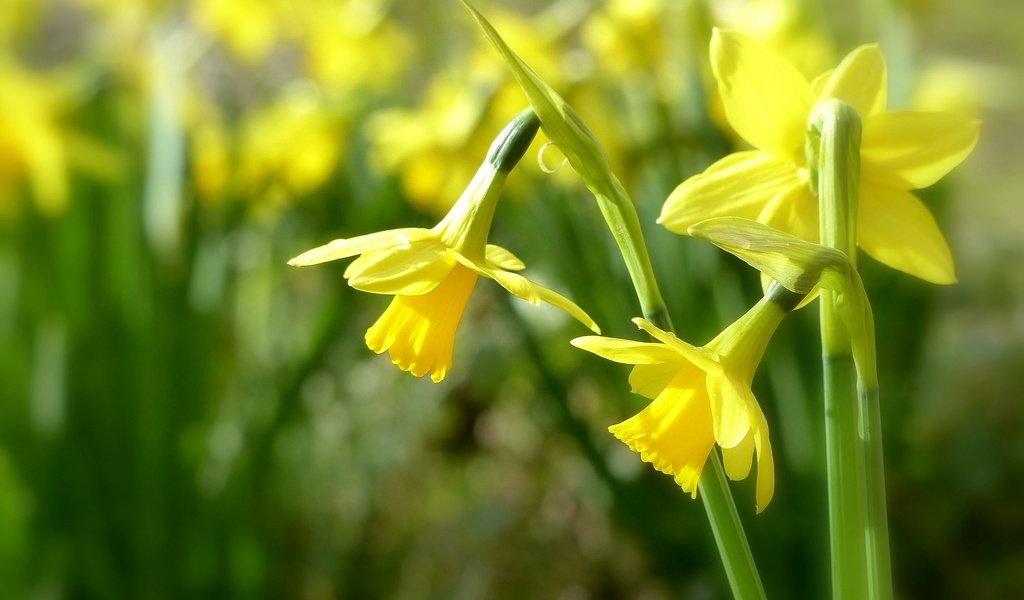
[
  {"x": 651, "y": 380},
  {"x": 703, "y": 358},
  {"x": 738, "y": 459},
  {"x": 501, "y": 258},
  {"x": 912, "y": 150},
  {"x": 793, "y": 210},
  {"x": 897, "y": 229},
  {"x": 408, "y": 271},
  {"x": 533, "y": 293},
  {"x": 627, "y": 351},
  {"x": 730, "y": 402},
  {"x": 765, "y": 463},
  {"x": 343, "y": 248},
  {"x": 765, "y": 98},
  {"x": 739, "y": 185},
  {"x": 859, "y": 81}
]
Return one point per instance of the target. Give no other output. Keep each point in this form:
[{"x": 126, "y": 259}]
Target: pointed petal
[
  {"x": 730, "y": 401},
  {"x": 418, "y": 332},
  {"x": 343, "y": 248},
  {"x": 793, "y": 210},
  {"x": 673, "y": 433},
  {"x": 912, "y": 150},
  {"x": 651, "y": 380},
  {"x": 500, "y": 258},
  {"x": 408, "y": 271},
  {"x": 895, "y": 228},
  {"x": 739, "y": 185},
  {"x": 819, "y": 82},
  {"x": 703, "y": 358},
  {"x": 739, "y": 458},
  {"x": 627, "y": 351},
  {"x": 534, "y": 293},
  {"x": 765, "y": 463},
  {"x": 859, "y": 81},
  {"x": 766, "y": 99}
]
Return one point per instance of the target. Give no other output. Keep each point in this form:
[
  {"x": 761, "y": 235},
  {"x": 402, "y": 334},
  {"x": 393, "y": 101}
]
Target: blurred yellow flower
[
  {"x": 32, "y": 144},
  {"x": 768, "y": 102},
  {"x": 288, "y": 148},
  {"x": 353, "y": 46},
  {"x": 249, "y": 28},
  {"x": 701, "y": 397},
  {"x": 432, "y": 272},
  {"x": 430, "y": 146}
]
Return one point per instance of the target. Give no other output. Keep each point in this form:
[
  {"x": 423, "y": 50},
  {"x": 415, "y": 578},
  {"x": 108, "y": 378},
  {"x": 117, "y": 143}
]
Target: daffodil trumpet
[{"x": 432, "y": 272}]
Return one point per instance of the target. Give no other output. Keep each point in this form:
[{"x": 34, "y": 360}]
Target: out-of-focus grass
[{"x": 181, "y": 414}]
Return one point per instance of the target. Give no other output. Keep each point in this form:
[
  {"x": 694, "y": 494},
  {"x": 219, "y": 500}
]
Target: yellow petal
[
  {"x": 859, "y": 81},
  {"x": 912, "y": 150},
  {"x": 793, "y": 210},
  {"x": 819, "y": 82},
  {"x": 627, "y": 352},
  {"x": 651, "y": 380},
  {"x": 765, "y": 463},
  {"x": 525, "y": 289},
  {"x": 703, "y": 358},
  {"x": 673, "y": 433},
  {"x": 500, "y": 258},
  {"x": 418, "y": 332},
  {"x": 766, "y": 99},
  {"x": 739, "y": 185},
  {"x": 343, "y": 248},
  {"x": 738, "y": 459},
  {"x": 730, "y": 400},
  {"x": 409, "y": 271},
  {"x": 895, "y": 228}
]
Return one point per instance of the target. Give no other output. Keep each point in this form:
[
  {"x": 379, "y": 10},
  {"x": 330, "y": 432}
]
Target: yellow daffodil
[
  {"x": 701, "y": 398},
  {"x": 289, "y": 148},
  {"x": 768, "y": 103},
  {"x": 432, "y": 272},
  {"x": 31, "y": 141}
]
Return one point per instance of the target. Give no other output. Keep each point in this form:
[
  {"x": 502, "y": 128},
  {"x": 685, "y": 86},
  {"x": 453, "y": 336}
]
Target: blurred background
[{"x": 183, "y": 415}]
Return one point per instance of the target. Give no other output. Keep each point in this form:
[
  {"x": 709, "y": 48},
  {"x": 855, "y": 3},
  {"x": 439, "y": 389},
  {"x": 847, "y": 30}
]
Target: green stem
[
  {"x": 624, "y": 224},
  {"x": 856, "y": 490},
  {"x": 728, "y": 531},
  {"x": 834, "y": 158}
]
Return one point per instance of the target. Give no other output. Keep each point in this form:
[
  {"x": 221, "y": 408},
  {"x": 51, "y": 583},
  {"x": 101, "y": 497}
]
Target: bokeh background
[{"x": 183, "y": 415}]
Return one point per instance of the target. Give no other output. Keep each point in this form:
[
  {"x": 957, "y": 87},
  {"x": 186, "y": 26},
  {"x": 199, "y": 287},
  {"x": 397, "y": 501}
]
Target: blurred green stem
[{"x": 857, "y": 522}]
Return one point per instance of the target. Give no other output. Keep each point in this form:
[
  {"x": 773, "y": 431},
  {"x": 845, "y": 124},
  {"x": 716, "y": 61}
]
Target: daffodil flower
[
  {"x": 432, "y": 272},
  {"x": 768, "y": 102},
  {"x": 701, "y": 397}
]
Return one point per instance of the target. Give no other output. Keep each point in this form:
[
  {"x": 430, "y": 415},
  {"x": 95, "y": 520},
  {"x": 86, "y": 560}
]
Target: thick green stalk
[{"x": 833, "y": 149}]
